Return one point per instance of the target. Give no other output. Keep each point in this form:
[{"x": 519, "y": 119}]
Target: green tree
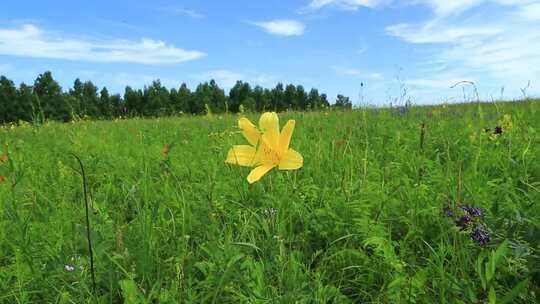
[
  {"x": 8, "y": 100},
  {"x": 51, "y": 101},
  {"x": 105, "y": 107},
  {"x": 157, "y": 100},
  {"x": 45, "y": 100},
  {"x": 26, "y": 103},
  {"x": 343, "y": 102},
  {"x": 313, "y": 100},
  {"x": 77, "y": 90},
  {"x": 133, "y": 101},
  {"x": 324, "y": 101},
  {"x": 238, "y": 94},
  {"x": 90, "y": 99},
  {"x": 277, "y": 98},
  {"x": 289, "y": 100},
  {"x": 201, "y": 96},
  {"x": 184, "y": 99},
  {"x": 262, "y": 98},
  {"x": 117, "y": 106},
  {"x": 174, "y": 101},
  {"x": 208, "y": 94},
  {"x": 249, "y": 104},
  {"x": 218, "y": 98},
  {"x": 76, "y": 102},
  {"x": 301, "y": 98}
]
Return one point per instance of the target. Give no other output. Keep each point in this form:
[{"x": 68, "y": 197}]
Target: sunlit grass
[{"x": 361, "y": 221}]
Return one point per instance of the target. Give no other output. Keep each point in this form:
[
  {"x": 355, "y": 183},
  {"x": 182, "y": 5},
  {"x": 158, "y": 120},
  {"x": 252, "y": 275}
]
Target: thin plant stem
[{"x": 88, "y": 237}]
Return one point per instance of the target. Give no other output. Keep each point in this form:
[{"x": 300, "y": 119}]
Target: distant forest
[{"x": 45, "y": 100}]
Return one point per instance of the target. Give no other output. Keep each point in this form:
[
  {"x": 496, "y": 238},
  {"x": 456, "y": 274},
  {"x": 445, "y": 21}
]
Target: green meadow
[{"x": 375, "y": 215}]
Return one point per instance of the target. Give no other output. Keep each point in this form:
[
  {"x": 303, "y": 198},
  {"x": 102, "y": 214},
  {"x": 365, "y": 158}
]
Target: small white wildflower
[{"x": 69, "y": 268}]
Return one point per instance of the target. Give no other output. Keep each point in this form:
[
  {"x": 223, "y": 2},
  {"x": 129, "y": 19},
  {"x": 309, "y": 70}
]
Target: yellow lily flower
[{"x": 268, "y": 147}]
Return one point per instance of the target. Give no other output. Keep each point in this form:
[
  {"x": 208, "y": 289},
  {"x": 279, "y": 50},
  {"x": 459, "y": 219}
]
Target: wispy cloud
[
  {"x": 503, "y": 47},
  {"x": 433, "y": 83},
  {"x": 282, "y": 27},
  {"x": 439, "y": 33},
  {"x": 530, "y": 12},
  {"x": 351, "y": 5},
  {"x": 181, "y": 11},
  {"x": 30, "y": 41},
  {"x": 224, "y": 78},
  {"x": 357, "y": 73},
  {"x": 118, "y": 24},
  {"x": 445, "y": 7},
  {"x": 362, "y": 50},
  {"x": 265, "y": 80}
]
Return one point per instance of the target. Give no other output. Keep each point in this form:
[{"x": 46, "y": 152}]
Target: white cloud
[
  {"x": 265, "y": 80},
  {"x": 282, "y": 27},
  {"x": 362, "y": 50},
  {"x": 351, "y": 5},
  {"x": 357, "y": 73},
  {"x": 441, "y": 8},
  {"x": 433, "y": 83},
  {"x": 531, "y": 11},
  {"x": 446, "y": 7},
  {"x": 182, "y": 11},
  {"x": 30, "y": 41},
  {"x": 439, "y": 33},
  {"x": 500, "y": 49},
  {"x": 224, "y": 78}
]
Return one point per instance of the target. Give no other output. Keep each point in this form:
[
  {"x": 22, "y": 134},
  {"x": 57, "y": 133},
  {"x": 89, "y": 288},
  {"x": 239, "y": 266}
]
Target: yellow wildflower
[
  {"x": 506, "y": 122},
  {"x": 165, "y": 150},
  {"x": 268, "y": 147}
]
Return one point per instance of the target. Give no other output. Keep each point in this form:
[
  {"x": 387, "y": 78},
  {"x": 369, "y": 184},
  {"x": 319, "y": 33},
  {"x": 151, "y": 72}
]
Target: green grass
[{"x": 361, "y": 222}]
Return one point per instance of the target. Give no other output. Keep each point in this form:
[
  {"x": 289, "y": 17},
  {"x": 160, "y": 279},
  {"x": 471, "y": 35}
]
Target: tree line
[{"x": 45, "y": 100}]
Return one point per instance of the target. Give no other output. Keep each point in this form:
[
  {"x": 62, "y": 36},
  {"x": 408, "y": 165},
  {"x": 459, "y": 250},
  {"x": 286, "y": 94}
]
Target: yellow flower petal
[
  {"x": 292, "y": 160},
  {"x": 258, "y": 172},
  {"x": 269, "y": 125},
  {"x": 266, "y": 155},
  {"x": 242, "y": 155},
  {"x": 249, "y": 131},
  {"x": 285, "y": 136}
]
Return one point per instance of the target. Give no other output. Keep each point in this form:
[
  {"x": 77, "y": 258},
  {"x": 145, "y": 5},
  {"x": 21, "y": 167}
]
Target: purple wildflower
[
  {"x": 498, "y": 130},
  {"x": 463, "y": 222},
  {"x": 448, "y": 212},
  {"x": 480, "y": 235},
  {"x": 473, "y": 211}
]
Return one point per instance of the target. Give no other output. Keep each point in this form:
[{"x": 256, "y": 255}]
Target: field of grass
[{"x": 363, "y": 221}]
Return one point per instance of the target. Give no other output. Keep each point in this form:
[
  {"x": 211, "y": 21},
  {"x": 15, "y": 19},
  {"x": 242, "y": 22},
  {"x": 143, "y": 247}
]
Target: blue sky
[{"x": 421, "y": 46}]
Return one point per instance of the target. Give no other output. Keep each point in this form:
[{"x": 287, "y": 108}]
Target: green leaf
[
  {"x": 519, "y": 288},
  {"x": 131, "y": 293},
  {"x": 480, "y": 270},
  {"x": 496, "y": 257},
  {"x": 244, "y": 244},
  {"x": 492, "y": 297},
  {"x": 490, "y": 269},
  {"x": 500, "y": 253}
]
